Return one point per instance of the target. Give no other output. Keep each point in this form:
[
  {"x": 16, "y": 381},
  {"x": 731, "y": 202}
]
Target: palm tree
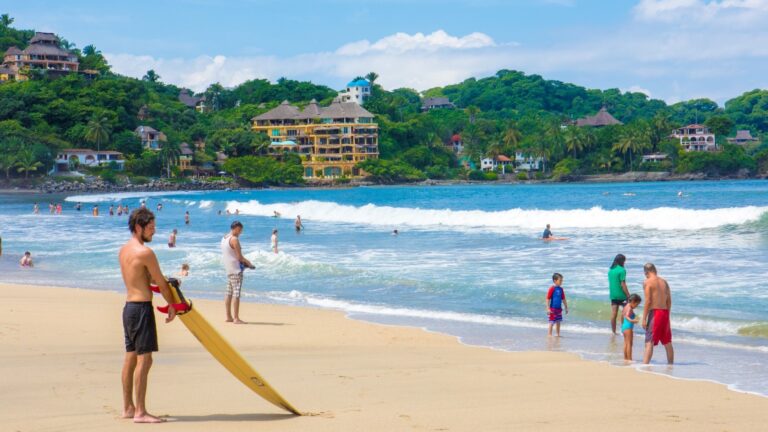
[
  {"x": 553, "y": 136},
  {"x": 169, "y": 153},
  {"x": 432, "y": 140},
  {"x": 633, "y": 141},
  {"x": 512, "y": 136},
  {"x": 472, "y": 112},
  {"x": 6, "y": 20},
  {"x": 91, "y": 50},
  {"x": 574, "y": 140},
  {"x": 97, "y": 131},
  {"x": 151, "y": 76},
  {"x": 27, "y": 162},
  {"x": 660, "y": 128},
  {"x": 260, "y": 143},
  {"x": 7, "y": 163},
  {"x": 372, "y": 77}
]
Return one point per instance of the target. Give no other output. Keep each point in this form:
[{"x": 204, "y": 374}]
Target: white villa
[
  {"x": 528, "y": 163},
  {"x": 695, "y": 137},
  {"x": 69, "y": 158},
  {"x": 357, "y": 91},
  {"x": 500, "y": 161}
]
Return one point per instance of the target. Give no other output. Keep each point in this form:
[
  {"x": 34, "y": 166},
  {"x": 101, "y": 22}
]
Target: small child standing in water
[
  {"x": 555, "y": 302},
  {"x": 628, "y": 324},
  {"x": 273, "y": 241}
]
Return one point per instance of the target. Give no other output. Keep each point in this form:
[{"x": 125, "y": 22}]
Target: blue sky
[{"x": 670, "y": 49}]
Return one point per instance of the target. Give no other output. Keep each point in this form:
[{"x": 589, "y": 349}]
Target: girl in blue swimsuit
[{"x": 628, "y": 324}]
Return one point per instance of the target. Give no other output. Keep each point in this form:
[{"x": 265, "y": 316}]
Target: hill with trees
[{"x": 502, "y": 114}]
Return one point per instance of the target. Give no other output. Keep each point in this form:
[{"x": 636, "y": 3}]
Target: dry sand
[{"x": 61, "y": 351}]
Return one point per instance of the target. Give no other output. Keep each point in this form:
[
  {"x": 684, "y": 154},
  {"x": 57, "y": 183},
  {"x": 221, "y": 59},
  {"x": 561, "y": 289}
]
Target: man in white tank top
[{"x": 234, "y": 264}]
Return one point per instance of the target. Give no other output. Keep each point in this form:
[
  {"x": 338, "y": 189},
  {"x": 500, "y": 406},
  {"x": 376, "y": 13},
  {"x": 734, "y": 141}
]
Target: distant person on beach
[
  {"x": 186, "y": 218},
  {"x": 234, "y": 264},
  {"x": 58, "y": 208},
  {"x": 111, "y": 210},
  {"x": 26, "y": 259},
  {"x": 172, "y": 239},
  {"x": 51, "y": 208},
  {"x": 299, "y": 226},
  {"x": 395, "y": 232},
  {"x": 617, "y": 287},
  {"x": 119, "y": 209},
  {"x": 273, "y": 241},
  {"x": 36, "y": 209},
  {"x": 95, "y": 210},
  {"x": 143, "y": 204},
  {"x": 628, "y": 324},
  {"x": 276, "y": 214},
  {"x": 555, "y": 302},
  {"x": 159, "y": 206},
  {"x": 78, "y": 206},
  {"x": 139, "y": 267},
  {"x": 656, "y": 314}
]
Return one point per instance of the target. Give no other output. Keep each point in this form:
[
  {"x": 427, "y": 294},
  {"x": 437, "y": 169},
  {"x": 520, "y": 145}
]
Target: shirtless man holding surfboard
[{"x": 140, "y": 268}]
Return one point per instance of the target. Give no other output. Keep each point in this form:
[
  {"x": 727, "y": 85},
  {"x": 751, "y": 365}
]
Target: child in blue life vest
[{"x": 555, "y": 303}]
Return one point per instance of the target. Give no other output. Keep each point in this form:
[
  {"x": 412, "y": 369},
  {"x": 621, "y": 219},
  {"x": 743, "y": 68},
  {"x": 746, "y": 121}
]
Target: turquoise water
[{"x": 468, "y": 261}]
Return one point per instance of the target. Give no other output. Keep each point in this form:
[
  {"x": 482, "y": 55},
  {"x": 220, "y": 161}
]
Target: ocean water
[{"x": 467, "y": 262}]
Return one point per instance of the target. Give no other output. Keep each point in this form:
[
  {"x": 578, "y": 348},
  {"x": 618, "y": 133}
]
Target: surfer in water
[
  {"x": 139, "y": 267},
  {"x": 548, "y": 236},
  {"x": 299, "y": 226}
]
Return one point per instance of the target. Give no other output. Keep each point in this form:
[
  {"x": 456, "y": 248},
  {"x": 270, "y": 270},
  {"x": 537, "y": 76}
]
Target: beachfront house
[
  {"x": 330, "y": 140},
  {"x": 43, "y": 53},
  {"x": 68, "y": 160},
  {"x": 601, "y": 119},
  {"x": 191, "y": 101},
  {"x": 497, "y": 162},
  {"x": 357, "y": 91},
  {"x": 654, "y": 157},
  {"x": 151, "y": 138},
  {"x": 526, "y": 162},
  {"x": 695, "y": 137},
  {"x": 743, "y": 137},
  {"x": 455, "y": 144},
  {"x": 185, "y": 157},
  {"x": 436, "y": 102}
]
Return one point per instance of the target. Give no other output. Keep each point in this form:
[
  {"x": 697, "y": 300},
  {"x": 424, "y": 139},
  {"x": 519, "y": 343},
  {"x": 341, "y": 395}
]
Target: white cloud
[
  {"x": 403, "y": 42},
  {"x": 698, "y": 11},
  {"x": 669, "y": 61},
  {"x": 638, "y": 89}
]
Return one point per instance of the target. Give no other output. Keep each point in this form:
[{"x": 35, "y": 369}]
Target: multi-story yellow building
[{"x": 330, "y": 140}]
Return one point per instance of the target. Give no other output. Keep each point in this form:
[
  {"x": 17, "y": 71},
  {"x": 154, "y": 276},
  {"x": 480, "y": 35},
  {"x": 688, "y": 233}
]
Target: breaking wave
[{"x": 661, "y": 218}]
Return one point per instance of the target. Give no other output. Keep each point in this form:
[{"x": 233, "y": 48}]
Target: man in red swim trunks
[{"x": 656, "y": 314}]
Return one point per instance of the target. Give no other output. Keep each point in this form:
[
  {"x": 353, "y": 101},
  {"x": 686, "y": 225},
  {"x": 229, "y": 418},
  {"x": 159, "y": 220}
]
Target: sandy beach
[{"x": 62, "y": 350}]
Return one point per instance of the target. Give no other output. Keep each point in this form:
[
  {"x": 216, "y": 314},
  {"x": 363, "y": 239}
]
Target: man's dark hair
[
  {"x": 619, "y": 260},
  {"x": 556, "y": 277},
  {"x": 141, "y": 217},
  {"x": 236, "y": 224}
]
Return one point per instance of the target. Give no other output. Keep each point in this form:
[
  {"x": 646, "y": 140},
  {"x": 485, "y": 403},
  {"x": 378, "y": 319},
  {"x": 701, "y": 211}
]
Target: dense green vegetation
[{"x": 502, "y": 114}]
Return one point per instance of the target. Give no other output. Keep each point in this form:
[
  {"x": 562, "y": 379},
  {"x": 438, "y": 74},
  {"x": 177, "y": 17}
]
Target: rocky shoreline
[{"x": 159, "y": 185}]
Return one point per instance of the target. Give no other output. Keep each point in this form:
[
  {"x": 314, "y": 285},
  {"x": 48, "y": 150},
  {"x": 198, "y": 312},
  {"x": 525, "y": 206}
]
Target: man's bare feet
[
  {"x": 129, "y": 413},
  {"x": 228, "y": 320},
  {"x": 239, "y": 321},
  {"x": 147, "y": 418}
]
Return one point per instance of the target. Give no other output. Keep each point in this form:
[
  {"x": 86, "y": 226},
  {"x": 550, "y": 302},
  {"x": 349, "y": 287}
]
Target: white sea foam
[
  {"x": 661, "y": 218},
  {"x": 117, "y": 196},
  {"x": 205, "y": 204}
]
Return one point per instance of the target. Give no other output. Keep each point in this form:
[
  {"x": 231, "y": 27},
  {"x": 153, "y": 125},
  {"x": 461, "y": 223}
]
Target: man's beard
[{"x": 145, "y": 239}]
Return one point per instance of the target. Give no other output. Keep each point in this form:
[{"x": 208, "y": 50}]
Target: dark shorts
[
  {"x": 621, "y": 303},
  {"x": 139, "y": 327}
]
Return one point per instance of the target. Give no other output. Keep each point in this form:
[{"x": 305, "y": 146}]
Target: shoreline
[
  {"x": 630, "y": 177},
  {"x": 433, "y": 379}
]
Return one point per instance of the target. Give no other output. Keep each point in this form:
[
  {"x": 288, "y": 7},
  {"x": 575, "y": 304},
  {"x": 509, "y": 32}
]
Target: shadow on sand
[{"x": 232, "y": 417}]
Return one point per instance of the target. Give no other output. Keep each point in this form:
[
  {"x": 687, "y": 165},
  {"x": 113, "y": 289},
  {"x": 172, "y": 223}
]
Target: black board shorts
[{"x": 139, "y": 327}]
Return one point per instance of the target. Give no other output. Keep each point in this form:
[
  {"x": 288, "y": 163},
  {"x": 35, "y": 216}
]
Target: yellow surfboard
[{"x": 222, "y": 351}]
